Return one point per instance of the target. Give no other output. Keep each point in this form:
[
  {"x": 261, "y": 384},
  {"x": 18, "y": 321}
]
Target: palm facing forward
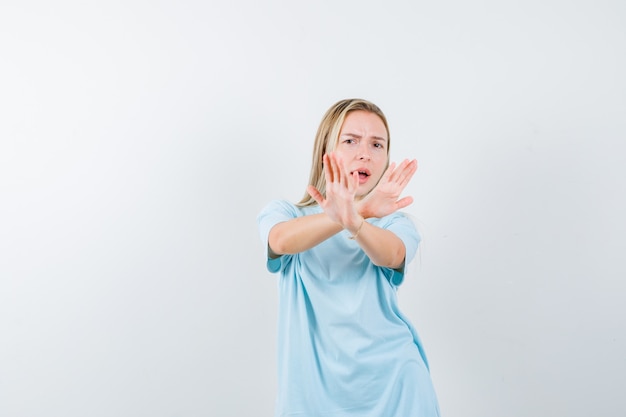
[{"x": 385, "y": 199}]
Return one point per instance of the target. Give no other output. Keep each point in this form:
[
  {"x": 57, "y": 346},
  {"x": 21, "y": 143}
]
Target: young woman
[{"x": 344, "y": 348}]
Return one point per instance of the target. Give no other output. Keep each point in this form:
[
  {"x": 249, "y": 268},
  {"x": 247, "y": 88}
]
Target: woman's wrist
[
  {"x": 356, "y": 229},
  {"x": 363, "y": 209}
]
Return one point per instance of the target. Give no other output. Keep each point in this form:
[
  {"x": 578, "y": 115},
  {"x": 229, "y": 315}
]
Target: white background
[{"x": 139, "y": 140}]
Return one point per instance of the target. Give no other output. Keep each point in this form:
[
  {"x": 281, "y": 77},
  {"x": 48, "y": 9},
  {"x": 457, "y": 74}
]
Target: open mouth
[{"x": 364, "y": 174}]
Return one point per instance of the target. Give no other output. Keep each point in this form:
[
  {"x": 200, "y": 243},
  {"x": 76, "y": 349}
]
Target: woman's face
[{"x": 362, "y": 146}]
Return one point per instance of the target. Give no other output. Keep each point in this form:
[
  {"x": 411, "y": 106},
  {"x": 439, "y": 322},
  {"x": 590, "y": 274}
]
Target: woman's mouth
[{"x": 363, "y": 175}]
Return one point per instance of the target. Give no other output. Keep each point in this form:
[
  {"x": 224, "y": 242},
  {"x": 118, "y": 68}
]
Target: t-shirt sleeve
[
  {"x": 403, "y": 227},
  {"x": 275, "y": 212}
]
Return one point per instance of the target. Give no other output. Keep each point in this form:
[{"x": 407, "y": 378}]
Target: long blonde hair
[{"x": 327, "y": 136}]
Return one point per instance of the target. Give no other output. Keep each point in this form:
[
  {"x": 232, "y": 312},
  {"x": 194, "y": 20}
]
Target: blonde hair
[{"x": 327, "y": 136}]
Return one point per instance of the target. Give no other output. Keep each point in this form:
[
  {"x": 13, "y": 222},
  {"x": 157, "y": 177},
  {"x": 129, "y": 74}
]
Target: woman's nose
[{"x": 364, "y": 153}]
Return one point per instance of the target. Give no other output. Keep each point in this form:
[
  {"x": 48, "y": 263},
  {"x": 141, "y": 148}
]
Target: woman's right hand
[{"x": 339, "y": 203}]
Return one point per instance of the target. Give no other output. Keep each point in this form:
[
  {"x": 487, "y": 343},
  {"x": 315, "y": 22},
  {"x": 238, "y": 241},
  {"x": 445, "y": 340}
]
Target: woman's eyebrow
[{"x": 355, "y": 135}]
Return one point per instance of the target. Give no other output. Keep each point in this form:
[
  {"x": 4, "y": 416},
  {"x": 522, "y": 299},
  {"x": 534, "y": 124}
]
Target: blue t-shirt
[{"x": 344, "y": 347}]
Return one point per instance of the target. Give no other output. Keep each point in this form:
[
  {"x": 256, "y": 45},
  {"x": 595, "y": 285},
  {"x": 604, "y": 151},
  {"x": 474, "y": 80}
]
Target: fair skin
[{"x": 357, "y": 187}]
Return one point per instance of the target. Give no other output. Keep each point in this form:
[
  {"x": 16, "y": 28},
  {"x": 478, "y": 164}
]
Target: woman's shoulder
[
  {"x": 393, "y": 218},
  {"x": 288, "y": 207}
]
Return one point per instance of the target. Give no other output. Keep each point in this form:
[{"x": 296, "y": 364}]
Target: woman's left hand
[{"x": 385, "y": 199}]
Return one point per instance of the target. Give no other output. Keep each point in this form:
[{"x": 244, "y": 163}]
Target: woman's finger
[
  {"x": 387, "y": 174},
  {"x": 400, "y": 172},
  {"x": 341, "y": 175},
  {"x": 404, "y": 202},
  {"x": 408, "y": 172},
  {"x": 405, "y": 172},
  {"x": 346, "y": 175},
  {"x": 335, "y": 167},
  {"x": 354, "y": 182},
  {"x": 328, "y": 170},
  {"x": 315, "y": 194}
]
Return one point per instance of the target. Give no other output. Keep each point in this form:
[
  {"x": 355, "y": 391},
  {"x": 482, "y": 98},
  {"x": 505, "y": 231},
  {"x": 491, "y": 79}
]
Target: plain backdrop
[{"x": 139, "y": 140}]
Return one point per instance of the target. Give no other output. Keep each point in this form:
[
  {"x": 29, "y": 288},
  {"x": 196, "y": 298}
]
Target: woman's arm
[
  {"x": 300, "y": 234},
  {"x": 382, "y": 246}
]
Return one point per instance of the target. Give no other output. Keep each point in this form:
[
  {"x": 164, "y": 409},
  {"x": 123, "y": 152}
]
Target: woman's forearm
[
  {"x": 382, "y": 246},
  {"x": 301, "y": 233}
]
